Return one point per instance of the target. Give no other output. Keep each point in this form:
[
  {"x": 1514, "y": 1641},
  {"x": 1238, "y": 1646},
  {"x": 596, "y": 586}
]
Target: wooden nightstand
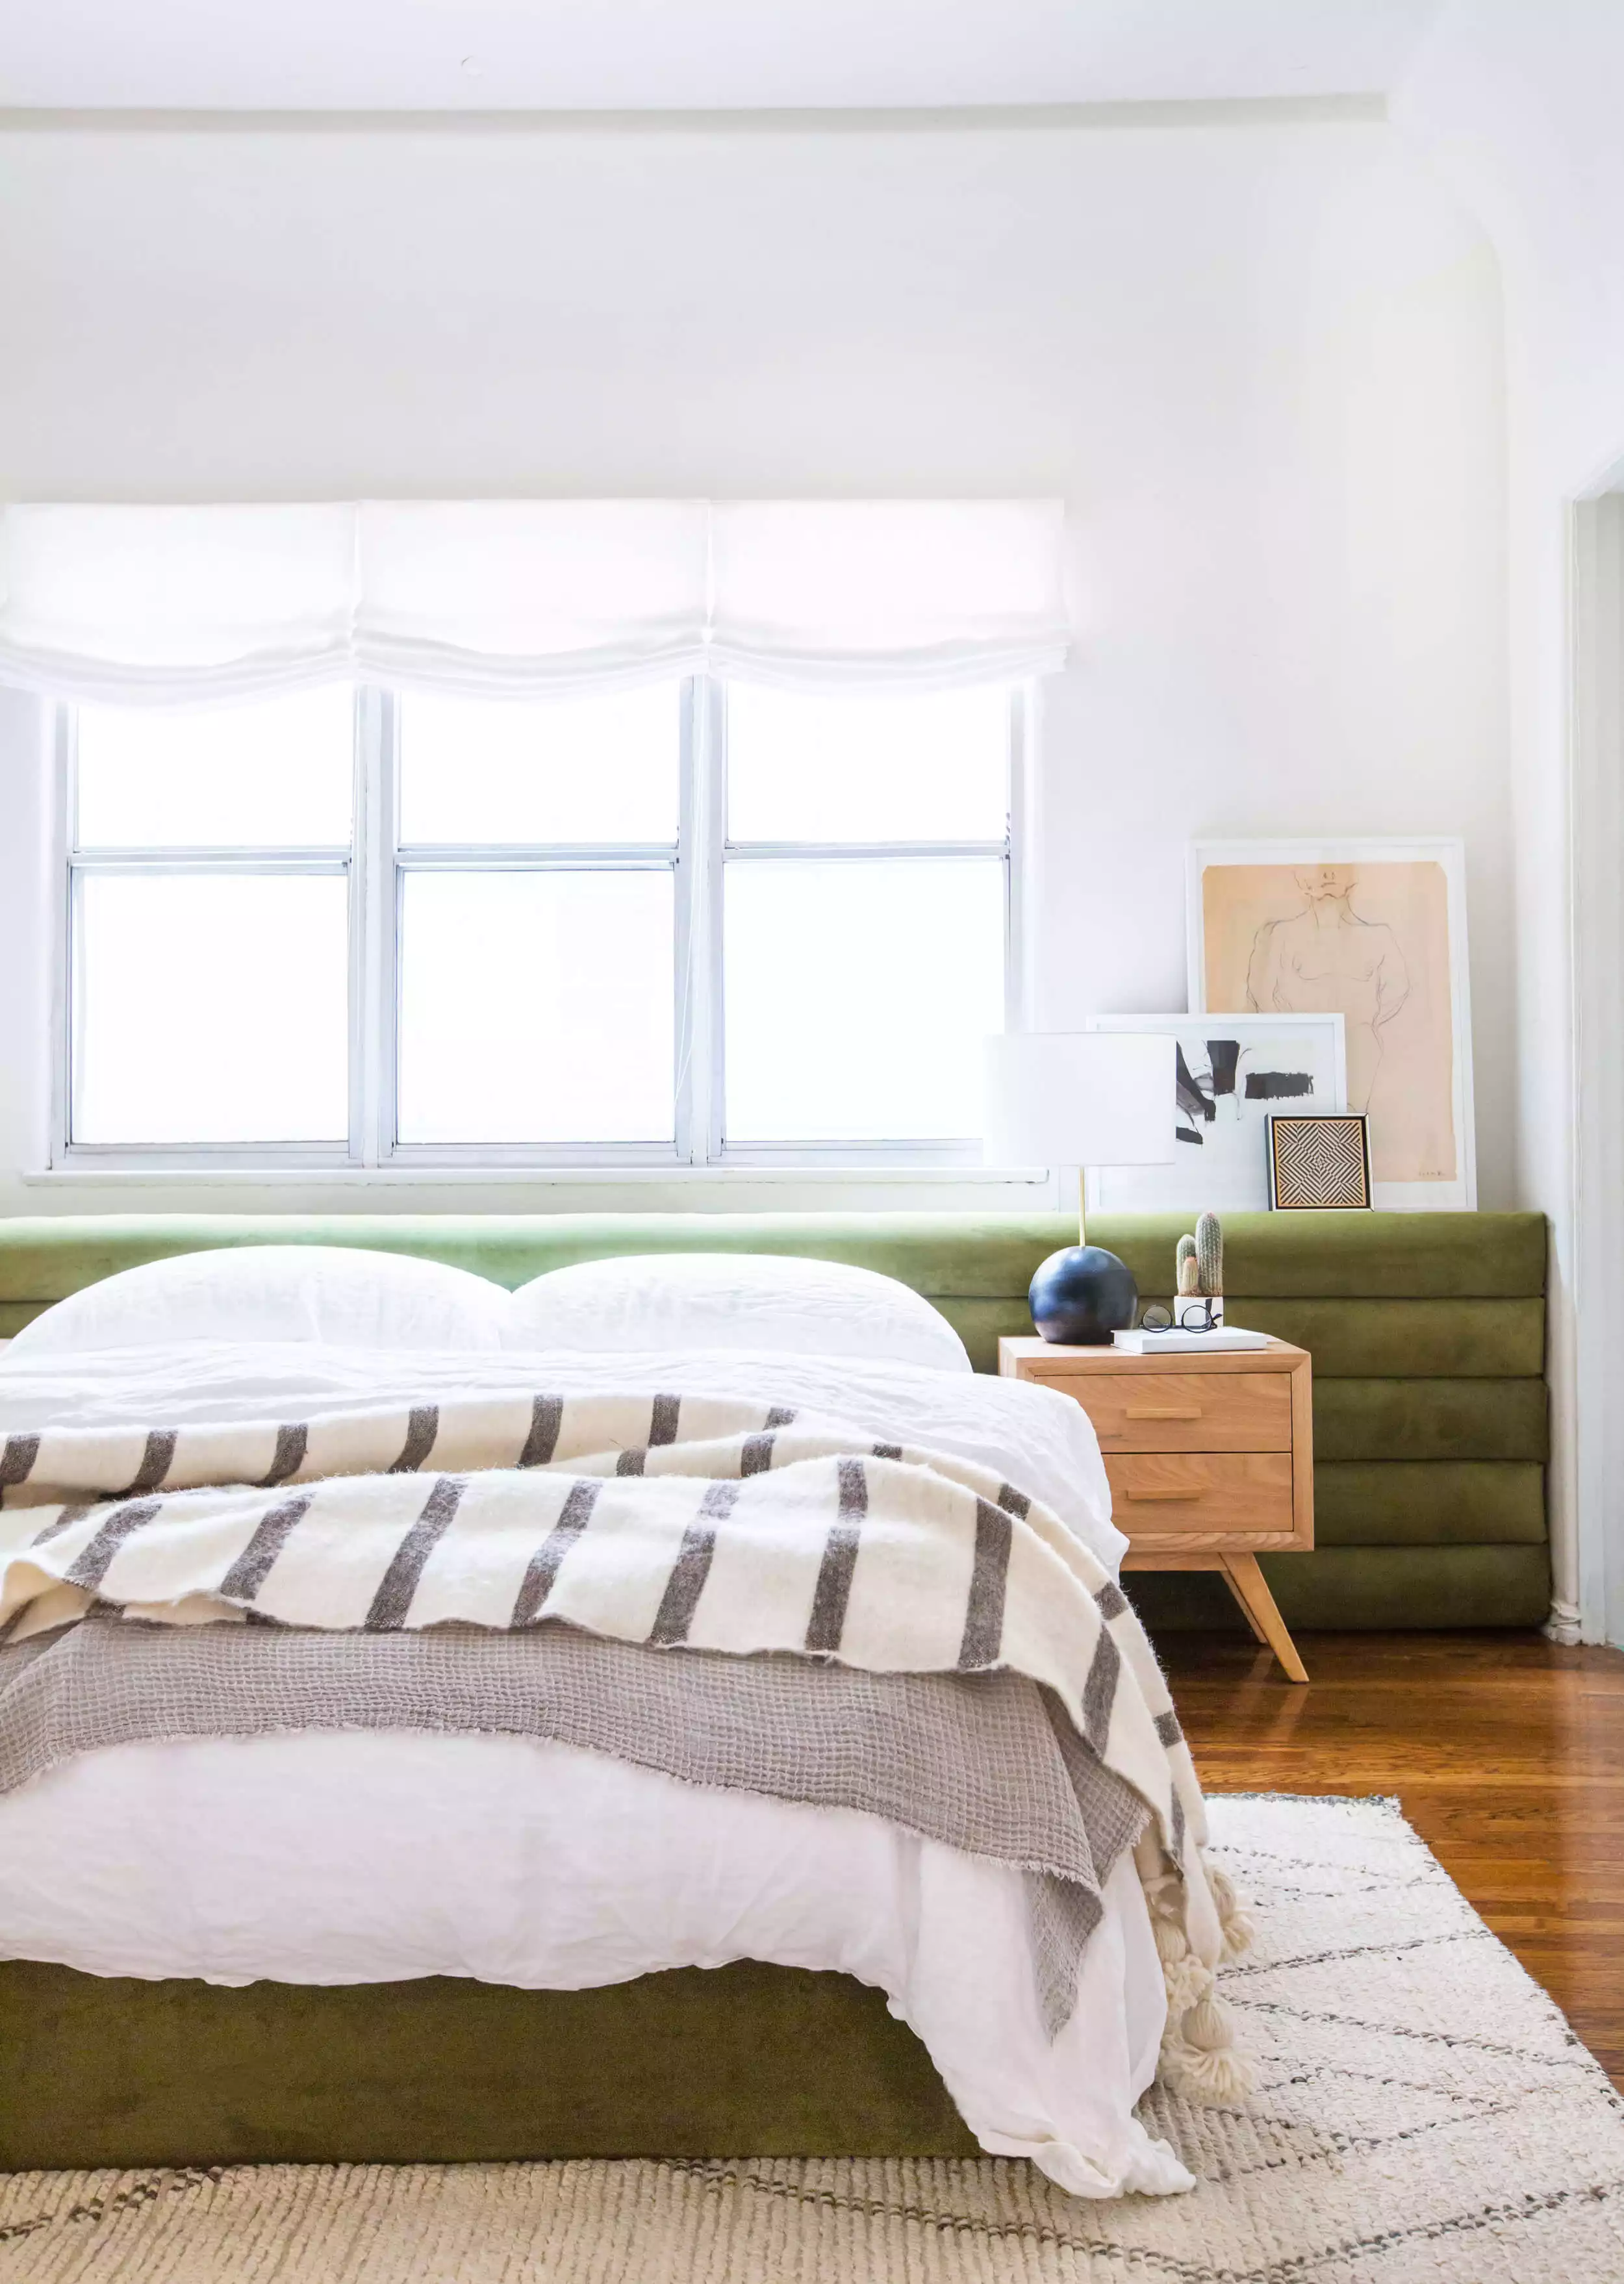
[{"x": 1211, "y": 1457}]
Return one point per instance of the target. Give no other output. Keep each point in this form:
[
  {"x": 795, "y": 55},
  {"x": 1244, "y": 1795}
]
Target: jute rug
[{"x": 1423, "y": 2112}]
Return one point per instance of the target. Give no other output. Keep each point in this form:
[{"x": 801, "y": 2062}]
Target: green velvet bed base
[
  {"x": 1427, "y": 1334},
  {"x": 735, "y": 2061}
]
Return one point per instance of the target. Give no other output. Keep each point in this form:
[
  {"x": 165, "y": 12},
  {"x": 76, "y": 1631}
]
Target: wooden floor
[{"x": 1506, "y": 1753}]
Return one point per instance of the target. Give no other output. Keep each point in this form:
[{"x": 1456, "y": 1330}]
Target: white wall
[
  {"x": 1519, "y": 108},
  {"x": 1262, "y": 360}
]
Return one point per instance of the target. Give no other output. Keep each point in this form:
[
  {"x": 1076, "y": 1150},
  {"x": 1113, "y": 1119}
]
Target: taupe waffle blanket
[{"x": 984, "y": 1762}]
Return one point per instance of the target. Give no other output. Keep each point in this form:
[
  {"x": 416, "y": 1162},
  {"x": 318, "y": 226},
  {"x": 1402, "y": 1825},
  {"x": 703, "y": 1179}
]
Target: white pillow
[
  {"x": 754, "y": 1301},
  {"x": 338, "y": 1294}
]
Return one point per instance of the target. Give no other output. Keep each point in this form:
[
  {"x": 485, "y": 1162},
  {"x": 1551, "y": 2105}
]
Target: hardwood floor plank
[{"x": 1505, "y": 1752}]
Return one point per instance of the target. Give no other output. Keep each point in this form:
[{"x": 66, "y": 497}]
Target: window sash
[
  {"x": 911, "y": 1150},
  {"x": 76, "y": 861},
  {"x": 377, "y": 863}
]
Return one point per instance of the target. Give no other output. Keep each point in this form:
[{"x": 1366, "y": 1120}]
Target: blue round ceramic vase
[{"x": 1082, "y": 1296}]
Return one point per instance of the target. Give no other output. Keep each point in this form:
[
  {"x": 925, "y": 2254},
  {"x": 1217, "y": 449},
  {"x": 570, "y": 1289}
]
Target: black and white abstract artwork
[{"x": 1230, "y": 1072}]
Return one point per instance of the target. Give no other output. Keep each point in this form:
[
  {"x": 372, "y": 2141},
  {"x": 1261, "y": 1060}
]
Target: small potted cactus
[{"x": 1198, "y": 1278}]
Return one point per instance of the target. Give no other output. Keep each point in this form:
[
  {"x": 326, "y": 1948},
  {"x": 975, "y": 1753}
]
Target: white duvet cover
[{"x": 324, "y": 1857}]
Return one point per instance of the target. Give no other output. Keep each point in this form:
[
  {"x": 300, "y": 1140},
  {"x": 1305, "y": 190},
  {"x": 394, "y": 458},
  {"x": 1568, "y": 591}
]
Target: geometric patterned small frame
[{"x": 1319, "y": 1161}]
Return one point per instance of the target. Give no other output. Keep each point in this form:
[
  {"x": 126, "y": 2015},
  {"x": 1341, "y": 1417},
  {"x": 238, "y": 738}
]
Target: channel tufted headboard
[{"x": 1427, "y": 1332}]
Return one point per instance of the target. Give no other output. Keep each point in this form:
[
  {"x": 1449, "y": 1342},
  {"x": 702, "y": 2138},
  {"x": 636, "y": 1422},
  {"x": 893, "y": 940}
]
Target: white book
[{"x": 1229, "y": 1337}]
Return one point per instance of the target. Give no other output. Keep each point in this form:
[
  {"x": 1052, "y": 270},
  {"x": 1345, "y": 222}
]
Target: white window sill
[{"x": 394, "y": 1177}]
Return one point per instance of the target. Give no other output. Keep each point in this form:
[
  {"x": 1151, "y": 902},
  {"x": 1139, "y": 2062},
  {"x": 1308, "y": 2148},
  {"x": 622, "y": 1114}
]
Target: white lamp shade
[{"x": 1080, "y": 1099}]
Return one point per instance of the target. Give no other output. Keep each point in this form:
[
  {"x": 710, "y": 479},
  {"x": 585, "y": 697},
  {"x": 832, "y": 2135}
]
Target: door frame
[{"x": 1589, "y": 1606}]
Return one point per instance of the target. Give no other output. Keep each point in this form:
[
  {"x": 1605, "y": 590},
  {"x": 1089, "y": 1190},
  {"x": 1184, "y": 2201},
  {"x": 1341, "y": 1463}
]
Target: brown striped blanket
[{"x": 682, "y": 1523}]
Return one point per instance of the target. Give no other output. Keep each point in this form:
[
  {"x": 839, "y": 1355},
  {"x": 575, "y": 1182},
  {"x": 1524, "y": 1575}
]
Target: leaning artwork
[
  {"x": 1230, "y": 1073},
  {"x": 1375, "y": 931}
]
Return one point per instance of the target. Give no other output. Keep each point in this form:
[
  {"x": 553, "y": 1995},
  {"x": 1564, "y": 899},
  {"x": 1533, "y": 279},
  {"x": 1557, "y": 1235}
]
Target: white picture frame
[
  {"x": 1224, "y": 1161},
  {"x": 1418, "y": 1162}
]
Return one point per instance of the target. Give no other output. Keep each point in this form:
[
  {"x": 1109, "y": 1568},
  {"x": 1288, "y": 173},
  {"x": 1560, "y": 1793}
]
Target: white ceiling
[{"x": 453, "y": 55}]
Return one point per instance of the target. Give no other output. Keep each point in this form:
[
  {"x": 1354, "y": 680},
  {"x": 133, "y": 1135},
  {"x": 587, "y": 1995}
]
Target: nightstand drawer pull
[
  {"x": 1155, "y": 1410},
  {"x": 1202, "y": 1496}
]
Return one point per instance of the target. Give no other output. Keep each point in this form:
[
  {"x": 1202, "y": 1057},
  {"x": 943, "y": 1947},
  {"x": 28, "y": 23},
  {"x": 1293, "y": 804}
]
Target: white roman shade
[
  {"x": 506, "y": 598},
  {"x": 510, "y": 599},
  {"x": 898, "y": 593},
  {"x": 174, "y": 604}
]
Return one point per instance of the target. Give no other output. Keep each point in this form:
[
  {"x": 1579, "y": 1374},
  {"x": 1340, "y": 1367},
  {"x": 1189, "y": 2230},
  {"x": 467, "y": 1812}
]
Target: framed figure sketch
[
  {"x": 1230, "y": 1072},
  {"x": 1374, "y": 931}
]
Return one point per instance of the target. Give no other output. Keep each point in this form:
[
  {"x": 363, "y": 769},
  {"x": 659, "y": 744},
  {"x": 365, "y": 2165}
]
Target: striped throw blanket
[{"x": 680, "y": 1522}]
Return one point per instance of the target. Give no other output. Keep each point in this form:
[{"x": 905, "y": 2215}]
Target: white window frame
[{"x": 377, "y": 863}]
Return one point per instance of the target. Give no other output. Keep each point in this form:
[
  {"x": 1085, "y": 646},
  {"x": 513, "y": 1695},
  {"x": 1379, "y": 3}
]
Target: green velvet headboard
[
  {"x": 976, "y": 1270},
  {"x": 1427, "y": 1332}
]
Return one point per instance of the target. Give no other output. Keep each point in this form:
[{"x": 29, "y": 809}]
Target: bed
[{"x": 452, "y": 1873}]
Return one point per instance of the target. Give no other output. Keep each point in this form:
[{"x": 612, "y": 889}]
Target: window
[
  {"x": 209, "y": 929},
  {"x": 686, "y": 923},
  {"x": 863, "y": 914},
  {"x": 535, "y": 866}
]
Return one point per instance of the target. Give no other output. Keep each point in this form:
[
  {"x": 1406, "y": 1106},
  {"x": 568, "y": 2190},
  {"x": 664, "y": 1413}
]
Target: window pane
[
  {"x": 861, "y": 768},
  {"x": 536, "y": 1007},
  {"x": 209, "y": 1009},
  {"x": 274, "y": 774},
  {"x": 858, "y": 994},
  {"x": 570, "y": 770}
]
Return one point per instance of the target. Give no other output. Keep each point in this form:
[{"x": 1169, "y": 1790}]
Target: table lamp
[{"x": 1081, "y": 1099}]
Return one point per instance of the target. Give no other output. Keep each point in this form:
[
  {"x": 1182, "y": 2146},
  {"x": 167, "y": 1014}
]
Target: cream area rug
[{"x": 1423, "y": 2112}]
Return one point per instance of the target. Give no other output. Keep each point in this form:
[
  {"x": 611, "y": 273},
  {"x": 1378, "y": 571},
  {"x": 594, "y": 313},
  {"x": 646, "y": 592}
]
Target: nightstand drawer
[
  {"x": 1162, "y": 1494},
  {"x": 1186, "y": 1412}
]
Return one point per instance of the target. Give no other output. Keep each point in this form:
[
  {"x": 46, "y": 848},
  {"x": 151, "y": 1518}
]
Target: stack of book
[{"x": 1171, "y": 1342}]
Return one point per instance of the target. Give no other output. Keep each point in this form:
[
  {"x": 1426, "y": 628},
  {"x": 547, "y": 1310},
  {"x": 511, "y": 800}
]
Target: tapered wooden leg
[
  {"x": 1247, "y": 1611},
  {"x": 1250, "y": 1588}
]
